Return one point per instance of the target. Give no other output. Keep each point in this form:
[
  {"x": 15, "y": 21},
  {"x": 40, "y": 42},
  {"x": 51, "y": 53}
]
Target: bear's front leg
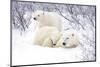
[
  {"x": 47, "y": 43},
  {"x": 59, "y": 43}
]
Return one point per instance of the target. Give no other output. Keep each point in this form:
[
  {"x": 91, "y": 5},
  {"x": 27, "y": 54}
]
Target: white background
[{"x": 5, "y": 33}]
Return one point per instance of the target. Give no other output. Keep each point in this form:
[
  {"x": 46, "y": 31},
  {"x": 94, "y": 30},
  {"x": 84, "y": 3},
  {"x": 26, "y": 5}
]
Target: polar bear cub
[
  {"x": 69, "y": 39},
  {"x": 48, "y": 19},
  {"x": 47, "y": 36}
]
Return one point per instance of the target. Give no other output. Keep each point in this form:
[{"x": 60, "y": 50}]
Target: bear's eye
[{"x": 38, "y": 15}]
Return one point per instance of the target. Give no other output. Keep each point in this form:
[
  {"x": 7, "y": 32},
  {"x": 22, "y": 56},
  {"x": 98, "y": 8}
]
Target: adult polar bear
[
  {"x": 47, "y": 36},
  {"x": 48, "y": 19}
]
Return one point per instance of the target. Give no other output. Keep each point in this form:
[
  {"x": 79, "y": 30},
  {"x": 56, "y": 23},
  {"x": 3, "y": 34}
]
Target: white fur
[
  {"x": 70, "y": 38},
  {"x": 47, "y": 36},
  {"x": 48, "y": 19}
]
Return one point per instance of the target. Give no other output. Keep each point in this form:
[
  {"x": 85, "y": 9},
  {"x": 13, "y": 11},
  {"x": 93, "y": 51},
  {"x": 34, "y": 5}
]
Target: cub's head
[{"x": 38, "y": 15}]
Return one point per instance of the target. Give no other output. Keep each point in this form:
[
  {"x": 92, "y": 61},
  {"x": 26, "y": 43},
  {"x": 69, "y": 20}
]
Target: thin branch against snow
[
  {"x": 75, "y": 20},
  {"x": 63, "y": 15},
  {"x": 20, "y": 16}
]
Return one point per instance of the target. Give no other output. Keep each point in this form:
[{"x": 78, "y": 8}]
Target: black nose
[
  {"x": 54, "y": 44},
  {"x": 34, "y": 18},
  {"x": 64, "y": 43}
]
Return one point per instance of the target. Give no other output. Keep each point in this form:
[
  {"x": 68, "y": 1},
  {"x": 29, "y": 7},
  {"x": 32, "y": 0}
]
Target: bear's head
[
  {"x": 68, "y": 40},
  {"x": 38, "y": 15}
]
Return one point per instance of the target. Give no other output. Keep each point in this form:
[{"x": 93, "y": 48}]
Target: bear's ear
[{"x": 72, "y": 34}]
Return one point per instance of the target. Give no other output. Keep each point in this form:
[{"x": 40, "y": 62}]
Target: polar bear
[
  {"x": 68, "y": 39},
  {"x": 47, "y": 36},
  {"x": 48, "y": 19}
]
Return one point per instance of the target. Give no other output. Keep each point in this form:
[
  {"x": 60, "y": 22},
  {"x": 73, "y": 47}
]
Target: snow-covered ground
[{"x": 25, "y": 52}]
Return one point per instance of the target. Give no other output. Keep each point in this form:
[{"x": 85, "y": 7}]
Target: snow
[{"x": 25, "y": 52}]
